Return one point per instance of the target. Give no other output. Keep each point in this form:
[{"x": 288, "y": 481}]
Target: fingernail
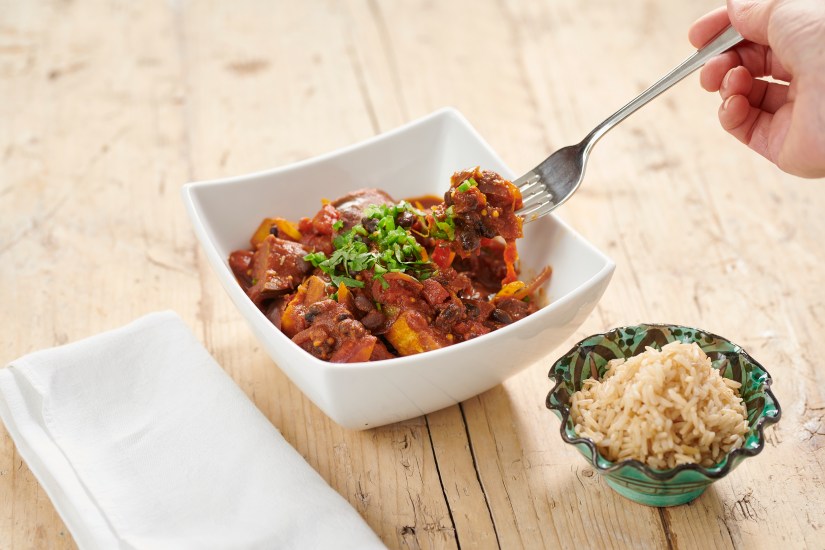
[
  {"x": 726, "y": 104},
  {"x": 726, "y": 79}
]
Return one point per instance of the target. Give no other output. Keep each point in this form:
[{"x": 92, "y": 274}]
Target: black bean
[
  {"x": 373, "y": 320},
  {"x": 312, "y": 312},
  {"x": 273, "y": 230},
  {"x": 448, "y": 316},
  {"x": 469, "y": 240},
  {"x": 502, "y": 316},
  {"x": 485, "y": 230},
  {"x": 405, "y": 219},
  {"x": 370, "y": 224}
]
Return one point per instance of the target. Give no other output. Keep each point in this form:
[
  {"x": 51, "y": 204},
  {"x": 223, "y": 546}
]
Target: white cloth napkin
[{"x": 142, "y": 441}]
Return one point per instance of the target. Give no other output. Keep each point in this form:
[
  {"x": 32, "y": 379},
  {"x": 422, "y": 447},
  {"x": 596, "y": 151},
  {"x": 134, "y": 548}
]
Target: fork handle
[{"x": 722, "y": 42}]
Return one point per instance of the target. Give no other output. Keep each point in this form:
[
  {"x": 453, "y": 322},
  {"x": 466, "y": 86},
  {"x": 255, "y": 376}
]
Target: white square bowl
[{"x": 414, "y": 160}]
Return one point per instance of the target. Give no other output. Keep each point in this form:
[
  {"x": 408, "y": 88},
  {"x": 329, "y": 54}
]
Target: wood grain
[{"x": 107, "y": 108}]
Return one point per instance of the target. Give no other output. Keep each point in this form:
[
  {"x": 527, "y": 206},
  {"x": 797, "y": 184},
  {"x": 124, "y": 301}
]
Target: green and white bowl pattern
[{"x": 631, "y": 478}]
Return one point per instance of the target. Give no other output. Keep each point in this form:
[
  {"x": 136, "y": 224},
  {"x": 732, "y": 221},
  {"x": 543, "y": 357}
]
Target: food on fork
[
  {"x": 369, "y": 278},
  {"x": 484, "y": 205}
]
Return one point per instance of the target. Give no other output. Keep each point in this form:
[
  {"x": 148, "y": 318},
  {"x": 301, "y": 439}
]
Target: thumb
[{"x": 750, "y": 18}]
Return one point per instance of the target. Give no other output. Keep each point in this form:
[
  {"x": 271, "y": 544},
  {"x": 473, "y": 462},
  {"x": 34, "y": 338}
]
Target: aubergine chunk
[
  {"x": 333, "y": 334},
  {"x": 278, "y": 267},
  {"x": 352, "y": 206},
  {"x": 240, "y": 262}
]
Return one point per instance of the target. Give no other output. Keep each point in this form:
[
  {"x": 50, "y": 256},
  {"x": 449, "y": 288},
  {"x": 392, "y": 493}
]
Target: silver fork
[{"x": 558, "y": 176}]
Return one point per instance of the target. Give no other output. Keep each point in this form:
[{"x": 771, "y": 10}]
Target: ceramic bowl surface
[
  {"x": 631, "y": 478},
  {"x": 414, "y": 160}
]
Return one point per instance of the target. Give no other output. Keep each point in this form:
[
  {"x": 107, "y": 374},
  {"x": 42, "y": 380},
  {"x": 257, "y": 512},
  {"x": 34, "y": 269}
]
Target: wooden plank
[
  {"x": 486, "y": 69},
  {"x": 731, "y": 222},
  {"x": 92, "y": 227},
  {"x": 622, "y": 202},
  {"x": 108, "y": 107},
  {"x": 457, "y": 466},
  {"x": 261, "y": 93}
]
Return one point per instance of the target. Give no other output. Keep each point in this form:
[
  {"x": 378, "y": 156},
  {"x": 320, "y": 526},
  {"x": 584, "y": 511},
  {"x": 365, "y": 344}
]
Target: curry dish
[{"x": 369, "y": 278}]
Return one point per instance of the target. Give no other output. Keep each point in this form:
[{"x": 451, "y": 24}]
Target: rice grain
[{"x": 663, "y": 408}]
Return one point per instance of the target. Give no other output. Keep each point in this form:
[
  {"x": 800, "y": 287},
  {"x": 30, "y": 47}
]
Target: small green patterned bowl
[{"x": 631, "y": 478}]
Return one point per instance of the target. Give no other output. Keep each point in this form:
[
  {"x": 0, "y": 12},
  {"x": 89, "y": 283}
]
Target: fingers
[
  {"x": 758, "y": 60},
  {"x": 748, "y": 104},
  {"x": 742, "y": 113},
  {"x": 781, "y": 122},
  {"x": 746, "y": 123},
  {"x": 774, "y": 136},
  {"x": 757, "y": 113},
  {"x": 708, "y": 26},
  {"x": 750, "y": 18},
  {"x": 766, "y": 96},
  {"x": 738, "y": 81},
  {"x": 711, "y": 75}
]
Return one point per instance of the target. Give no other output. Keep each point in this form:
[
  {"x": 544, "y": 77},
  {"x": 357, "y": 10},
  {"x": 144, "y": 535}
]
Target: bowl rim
[
  {"x": 713, "y": 472},
  {"x": 191, "y": 196}
]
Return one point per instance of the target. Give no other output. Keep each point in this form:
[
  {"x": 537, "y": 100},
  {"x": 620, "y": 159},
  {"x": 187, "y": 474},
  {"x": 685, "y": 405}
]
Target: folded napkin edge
[{"x": 50, "y": 467}]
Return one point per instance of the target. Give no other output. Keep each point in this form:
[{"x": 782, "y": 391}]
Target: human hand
[{"x": 782, "y": 119}]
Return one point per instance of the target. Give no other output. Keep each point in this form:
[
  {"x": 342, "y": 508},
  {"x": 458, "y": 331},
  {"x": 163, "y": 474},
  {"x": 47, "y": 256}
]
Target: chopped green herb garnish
[
  {"x": 386, "y": 247},
  {"x": 467, "y": 184},
  {"x": 445, "y": 227},
  {"x": 338, "y": 225},
  {"x": 315, "y": 258}
]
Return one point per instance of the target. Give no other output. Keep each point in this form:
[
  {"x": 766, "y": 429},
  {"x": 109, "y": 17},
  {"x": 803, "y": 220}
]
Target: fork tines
[{"x": 536, "y": 200}]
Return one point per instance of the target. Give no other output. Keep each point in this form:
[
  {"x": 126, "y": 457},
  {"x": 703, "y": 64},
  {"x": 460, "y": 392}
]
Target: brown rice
[{"x": 662, "y": 408}]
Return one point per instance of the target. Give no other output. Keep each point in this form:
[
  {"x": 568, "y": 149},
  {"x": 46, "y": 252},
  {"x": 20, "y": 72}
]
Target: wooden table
[{"x": 107, "y": 108}]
